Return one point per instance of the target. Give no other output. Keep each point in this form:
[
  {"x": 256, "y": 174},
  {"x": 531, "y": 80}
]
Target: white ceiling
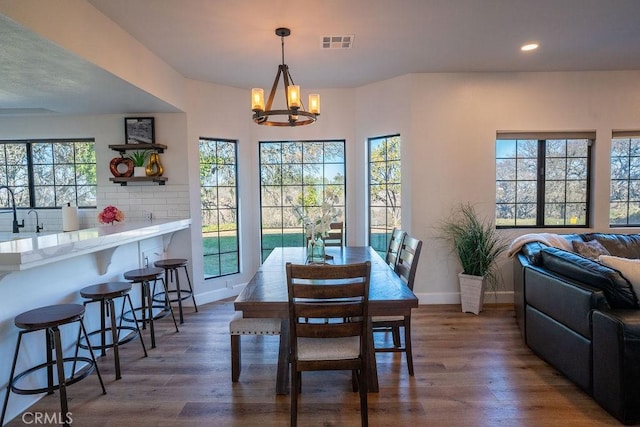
[{"x": 233, "y": 43}]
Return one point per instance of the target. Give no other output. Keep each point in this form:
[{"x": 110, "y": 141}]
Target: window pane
[
  {"x": 527, "y": 169},
  {"x": 505, "y": 149}
]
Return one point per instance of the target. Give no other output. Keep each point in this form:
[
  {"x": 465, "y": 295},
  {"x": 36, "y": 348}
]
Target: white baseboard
[
  {"x": 501, "y": 297},
  {"x": 218, "y": 294}
]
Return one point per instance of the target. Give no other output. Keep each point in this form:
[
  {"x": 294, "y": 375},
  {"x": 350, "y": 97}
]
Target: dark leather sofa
[{"x": 583, "y": 318}]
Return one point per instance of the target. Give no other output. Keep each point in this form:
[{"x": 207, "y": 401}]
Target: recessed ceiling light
[{"x": 529, "y": 46}]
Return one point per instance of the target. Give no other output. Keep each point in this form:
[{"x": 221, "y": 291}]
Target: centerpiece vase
[{"x": 315, "y": 250}]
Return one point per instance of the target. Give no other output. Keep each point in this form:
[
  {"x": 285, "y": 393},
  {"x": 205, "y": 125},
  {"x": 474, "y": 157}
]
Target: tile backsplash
[{"x": 136, "y": 201}]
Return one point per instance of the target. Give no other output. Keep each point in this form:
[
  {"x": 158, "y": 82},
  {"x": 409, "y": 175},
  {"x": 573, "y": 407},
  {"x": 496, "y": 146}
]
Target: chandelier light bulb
[{"x": 257, "y": 99}]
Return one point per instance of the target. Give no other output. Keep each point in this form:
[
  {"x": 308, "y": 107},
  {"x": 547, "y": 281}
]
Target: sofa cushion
[
  {"x": 621, "y": 245},
  {"x": 616, "y": 288},
  {"x": 630, "y": 269},
  {"x": 591, "y": 249}
]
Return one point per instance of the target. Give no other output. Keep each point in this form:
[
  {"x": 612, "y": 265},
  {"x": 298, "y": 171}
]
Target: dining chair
[
  {"x": 393, "y": 248},
  {"x": 335, "y": 236},
  {"x": 405, "y": 268},
  {"x": 339, "y": 293}
]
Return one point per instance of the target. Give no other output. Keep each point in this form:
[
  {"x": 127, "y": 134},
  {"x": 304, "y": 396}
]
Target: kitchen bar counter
[
  {"x": 37, "y": 270},
  {"x": 28, "y": 250}
]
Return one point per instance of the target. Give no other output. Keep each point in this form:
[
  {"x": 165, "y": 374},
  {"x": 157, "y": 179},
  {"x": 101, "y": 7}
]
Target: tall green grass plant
[{"x": 476, "y": 243}]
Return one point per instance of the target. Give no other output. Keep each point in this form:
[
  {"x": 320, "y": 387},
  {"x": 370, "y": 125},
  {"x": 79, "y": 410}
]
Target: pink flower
[{"x": 110, "y": 214}]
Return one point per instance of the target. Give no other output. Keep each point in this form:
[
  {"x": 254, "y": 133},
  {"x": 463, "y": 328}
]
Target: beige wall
[{"x": 447, "y": 123}]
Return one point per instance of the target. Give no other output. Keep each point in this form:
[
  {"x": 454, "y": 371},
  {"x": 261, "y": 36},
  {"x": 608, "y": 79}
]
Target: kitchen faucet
[
  {"x": 38, "y": 227},
  {"x": 16, "y": 225}
]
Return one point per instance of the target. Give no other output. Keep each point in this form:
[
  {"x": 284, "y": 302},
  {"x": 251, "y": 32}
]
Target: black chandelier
[{"x": 295, "y": 114}]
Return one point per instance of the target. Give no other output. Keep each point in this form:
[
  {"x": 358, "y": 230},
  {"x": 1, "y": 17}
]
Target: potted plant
[
  {"x": 477, "y": 246},
  {"x": 139, "y": 158}
]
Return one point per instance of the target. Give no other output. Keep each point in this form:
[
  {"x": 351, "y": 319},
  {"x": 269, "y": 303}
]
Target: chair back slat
[
  {"x": 324, "y": 272},
  {"x": 350, "y": 308},
  {"x": 328, "y": 290},
  {"x": 393, "y": 248},
  {"x": 329, "y": 330},
  {"x": 407, "y": 264}
]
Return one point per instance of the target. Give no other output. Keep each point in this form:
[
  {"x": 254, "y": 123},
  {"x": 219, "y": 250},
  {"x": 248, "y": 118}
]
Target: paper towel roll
[{"x": 70, "y": 218}]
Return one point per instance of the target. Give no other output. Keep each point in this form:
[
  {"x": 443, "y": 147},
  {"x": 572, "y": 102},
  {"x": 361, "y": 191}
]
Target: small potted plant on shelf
[
  {"x": 477, "y": 245},
  {"x": 139, "y": 159}
]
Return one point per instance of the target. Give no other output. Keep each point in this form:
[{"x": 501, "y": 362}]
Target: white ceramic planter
[
  {"x": 139, "y": 171},
  {"x": 471, "y": 293}
]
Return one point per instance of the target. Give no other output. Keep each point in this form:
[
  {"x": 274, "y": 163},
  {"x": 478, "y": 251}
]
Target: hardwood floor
[{"x": 469, "y": 371}]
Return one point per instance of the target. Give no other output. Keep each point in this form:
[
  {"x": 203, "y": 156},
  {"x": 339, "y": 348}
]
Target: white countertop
[{"x": 27, "y": 250}]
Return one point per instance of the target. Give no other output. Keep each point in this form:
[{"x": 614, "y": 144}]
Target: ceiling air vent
[{"x": 337, "y": 42}]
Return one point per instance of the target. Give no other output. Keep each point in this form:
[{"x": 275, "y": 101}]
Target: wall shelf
[
  {"x": 140, "y": 147},
  {"x": 125, "y": 180},
  {"x": 122, "y": 148}
]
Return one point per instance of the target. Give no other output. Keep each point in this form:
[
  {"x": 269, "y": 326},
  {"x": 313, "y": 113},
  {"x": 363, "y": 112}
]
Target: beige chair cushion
[
  {"x": 328, "y": 348},
  {"x": 253, "y": 326}
]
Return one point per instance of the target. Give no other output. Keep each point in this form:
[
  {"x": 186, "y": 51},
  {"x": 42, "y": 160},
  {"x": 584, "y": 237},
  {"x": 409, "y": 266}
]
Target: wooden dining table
[{"x": 265, "y": 296}]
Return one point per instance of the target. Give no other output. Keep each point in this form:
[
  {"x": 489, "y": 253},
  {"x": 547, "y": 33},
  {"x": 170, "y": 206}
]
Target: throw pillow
[
  {"x": 592, "y": 249},
  {"x": 630, "y": 269}
]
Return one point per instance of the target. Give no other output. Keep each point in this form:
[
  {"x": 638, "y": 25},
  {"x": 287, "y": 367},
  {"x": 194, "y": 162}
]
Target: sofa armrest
[{"x": 616, "y": 362}]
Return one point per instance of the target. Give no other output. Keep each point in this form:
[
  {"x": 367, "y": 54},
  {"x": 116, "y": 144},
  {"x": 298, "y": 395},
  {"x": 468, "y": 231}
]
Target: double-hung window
[
  {"x": 219, "y": 207},
  {"x": 624, "y": 200},
  {"x": 385, "y": 211},
  {"x": 49, "y": 173},
  {"x": 302, "y": 174},
  {"x": 543, "y": 179}
]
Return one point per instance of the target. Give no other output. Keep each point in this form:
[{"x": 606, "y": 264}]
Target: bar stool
[
  {"x": 171, "y": 267},
  {"x": 105, "y": 294},
  {"x": 144, "y": 276},
  {"x": 49, "y": 319}
]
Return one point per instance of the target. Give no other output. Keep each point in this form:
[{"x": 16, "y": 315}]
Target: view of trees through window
[
  {"x": 543, "y": 181},
  {"x": 219, "y": 207},
  {"x": 49, "y": 173},
  {"x": 624, "y": 205},
  {"x": 297, "y": 173},
  {"x": 385, "y": 187}
]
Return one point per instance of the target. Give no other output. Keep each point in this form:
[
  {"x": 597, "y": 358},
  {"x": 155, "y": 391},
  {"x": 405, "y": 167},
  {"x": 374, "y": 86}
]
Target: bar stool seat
[
  {"x": 178, "y": 294},
  {"x": 144, "y": 276},
  {"x": 49, "y": 319},
  {"x": 105, "y": 294}
]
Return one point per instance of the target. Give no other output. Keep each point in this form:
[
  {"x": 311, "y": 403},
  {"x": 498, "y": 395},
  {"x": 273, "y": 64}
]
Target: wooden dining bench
[{"x": 239, "y": 326}]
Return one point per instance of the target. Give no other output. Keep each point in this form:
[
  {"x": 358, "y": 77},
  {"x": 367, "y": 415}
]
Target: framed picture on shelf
[{"x": 138, "y": 130}]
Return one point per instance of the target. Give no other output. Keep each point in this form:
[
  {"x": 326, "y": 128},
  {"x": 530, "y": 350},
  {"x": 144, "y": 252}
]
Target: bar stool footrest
[
  {"x": 159, "y": 315},
  {"x": 123, "y": 340},
  {"x": 186, "y": 294},
  {"x": 76, "y": 376}
]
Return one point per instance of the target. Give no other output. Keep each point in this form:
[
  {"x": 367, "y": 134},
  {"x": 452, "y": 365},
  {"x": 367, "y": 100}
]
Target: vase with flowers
[
  {"x": 317, "y": 226},
  {"x": 110, "y": 214}
]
